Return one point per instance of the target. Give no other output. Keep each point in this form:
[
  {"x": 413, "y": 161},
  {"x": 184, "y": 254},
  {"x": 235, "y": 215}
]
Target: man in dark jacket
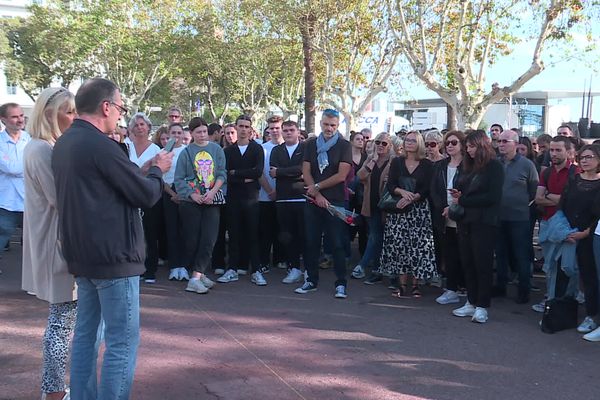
[{"x": 99, "y": 192}]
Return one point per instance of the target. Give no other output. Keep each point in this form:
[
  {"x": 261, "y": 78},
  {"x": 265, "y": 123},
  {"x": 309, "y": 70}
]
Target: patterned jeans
[{"x": 56, "y": 343}]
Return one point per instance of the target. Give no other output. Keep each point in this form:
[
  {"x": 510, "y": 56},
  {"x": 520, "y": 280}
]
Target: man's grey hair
[{"x": 137, "y": 116}]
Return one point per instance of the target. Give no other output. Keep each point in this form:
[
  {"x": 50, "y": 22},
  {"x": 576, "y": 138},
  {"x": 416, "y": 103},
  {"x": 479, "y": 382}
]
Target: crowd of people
[{"x": 453, "y": 208}]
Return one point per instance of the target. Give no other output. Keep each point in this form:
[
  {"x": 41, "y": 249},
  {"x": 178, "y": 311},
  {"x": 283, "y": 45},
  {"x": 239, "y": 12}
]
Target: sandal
[
  {"x": 416, "y": 293},
  {"x": 400, "y": 292}
]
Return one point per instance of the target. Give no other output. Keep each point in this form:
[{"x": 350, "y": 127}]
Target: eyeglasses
[
  {"x": 380, "y": 143},
  {"x": 431, "y": 144},
  {"x": 122, "y": 110},
  {"x": 409, "y": 140},
  {"x": 589, "y": 157},
  {"x": 452, "y": 142},
  {"x": 504, "y": 141}
]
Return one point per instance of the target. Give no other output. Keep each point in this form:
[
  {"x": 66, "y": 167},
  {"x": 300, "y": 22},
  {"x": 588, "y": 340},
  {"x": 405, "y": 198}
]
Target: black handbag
[
  {"x": 456, "y": 212},
  {"x": 387, "y": 202},
  {"x": 559, "y": 314}
]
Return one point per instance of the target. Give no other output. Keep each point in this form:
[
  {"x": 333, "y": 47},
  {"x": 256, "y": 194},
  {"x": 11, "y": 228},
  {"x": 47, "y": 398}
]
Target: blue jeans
[
  {"x": 513, "y": 246},
  {"x": 318, "y": 221},
  {"x": 374, "y": 242},
  {"x": 116, "y": 301},
  {"x": 8, "y": 223}
]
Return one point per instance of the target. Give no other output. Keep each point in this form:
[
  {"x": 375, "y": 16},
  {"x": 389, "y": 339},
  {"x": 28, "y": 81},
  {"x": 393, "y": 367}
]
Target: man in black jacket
[
  {"x": 286, "y": 167},
  {"x": 245, "y": 161},
  {"x": 99, "y": 192}
]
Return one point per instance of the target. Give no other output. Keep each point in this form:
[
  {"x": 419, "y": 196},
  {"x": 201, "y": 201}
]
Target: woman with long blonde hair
[{"x": 44, "y": 269}]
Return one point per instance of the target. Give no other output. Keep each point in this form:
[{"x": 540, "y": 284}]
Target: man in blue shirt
[{"x": 13, "y": 140}]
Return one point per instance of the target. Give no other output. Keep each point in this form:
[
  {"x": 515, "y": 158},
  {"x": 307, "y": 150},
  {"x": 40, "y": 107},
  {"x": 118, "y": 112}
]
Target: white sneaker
[
  {"x": 207, "y": 282},
  {"x": 183, "y": 274},
  {"x": 242, "y": 271},
  {"x": 282, "y": 265},
  {"x": 358, "y": 272},
  {"x": 258, "y": 278},
  {"x": 229, "y": 276},
  {"x": 587, "y": 325},
  {"x": 480, "y": 315},
  {"x": 465, "y": 311},
  {"x": 195, "y": 285},
  {"x": 174, "y": 274},
  {"x": 219, "y": 271},
  {"x": 340, "y": 292},
  {"x": 295, "y": 275},
  {"x": 448, "y": 297},
  {"x": 539, "y": 307},
  {"x": 593, "y": 336}
]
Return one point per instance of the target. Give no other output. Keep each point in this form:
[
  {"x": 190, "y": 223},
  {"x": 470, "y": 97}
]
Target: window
[{"x": 11, "y": 88}]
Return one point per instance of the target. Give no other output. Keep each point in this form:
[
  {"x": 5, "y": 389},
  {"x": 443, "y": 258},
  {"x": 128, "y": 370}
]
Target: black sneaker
[
  {"x": 373, "y": 279},
  {"x": 306, "y": 288}
]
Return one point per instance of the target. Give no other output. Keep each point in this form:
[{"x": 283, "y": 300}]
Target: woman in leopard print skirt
[
  {"x": 44, "y": 269},
  {"x": 408, "y": 247}
]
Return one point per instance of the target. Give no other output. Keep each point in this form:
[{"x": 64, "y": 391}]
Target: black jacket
[
  {"x": 481, "y": 194},
  {"x": 99, "y": 193},
  {"x": 248, "y": 166},
  {"x": 438, "y": 192},
  {"x": 290, "y": 184}
]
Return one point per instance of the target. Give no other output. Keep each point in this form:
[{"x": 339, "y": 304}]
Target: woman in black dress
[{"x": 580, "y": 202}]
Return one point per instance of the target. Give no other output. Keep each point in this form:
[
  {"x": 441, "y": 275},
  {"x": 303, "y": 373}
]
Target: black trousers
[
  {"x": 291, "y": 231},
  {"x": 476, "y": 243},
  {"x": 200, "y": 228},
  {"x": 172, "y": 223},
  {"x": 268, "y": 233},
  {"x": 218, "y": 256},
  {"x": 151, "y": 222},
  {"x": 242, "y": 224},
  {"x": 589, "y": 274},
  {"x": 455, "y": 275}
]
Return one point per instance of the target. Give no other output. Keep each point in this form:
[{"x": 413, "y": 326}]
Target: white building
[{"x": 9, "y": 91}]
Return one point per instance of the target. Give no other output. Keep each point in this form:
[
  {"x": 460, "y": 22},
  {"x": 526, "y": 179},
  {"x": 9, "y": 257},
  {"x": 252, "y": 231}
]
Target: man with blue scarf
[{"x": 327, "y": 162}]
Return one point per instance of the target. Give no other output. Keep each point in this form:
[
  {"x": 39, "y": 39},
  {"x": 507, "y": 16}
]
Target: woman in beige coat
[{"x": 44, "y": 269}]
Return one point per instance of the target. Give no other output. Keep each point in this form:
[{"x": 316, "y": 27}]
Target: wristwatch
[{"x": 317, "y": 187}]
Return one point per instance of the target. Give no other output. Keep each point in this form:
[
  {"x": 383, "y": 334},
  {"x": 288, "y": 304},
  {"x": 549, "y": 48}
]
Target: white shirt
[
  {"x": 12, "y": 184},
  {"x": 169, "y": 176},
  {"x": 267, "y": 148},
  {"x": 242, "y": 149},
  {"x": 150, "y": 152},
  {"x": 291, "y": 149},
  {"x": 450, "y": 174},
  {"x": 597, "y": 231}
]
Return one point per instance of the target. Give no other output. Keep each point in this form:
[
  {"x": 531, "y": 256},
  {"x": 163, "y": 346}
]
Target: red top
[{"x": 556, "y": 183}]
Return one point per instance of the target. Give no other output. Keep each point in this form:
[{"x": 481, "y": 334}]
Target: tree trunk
[
  {"x": 451, "y": 116},
  {"x": 307, "y": 27}
]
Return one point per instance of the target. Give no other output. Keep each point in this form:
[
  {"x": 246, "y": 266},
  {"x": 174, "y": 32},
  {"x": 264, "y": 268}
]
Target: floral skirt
[{"x": 408, "y": 244}]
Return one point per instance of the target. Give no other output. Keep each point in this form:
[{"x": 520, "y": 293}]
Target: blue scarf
[{"x": 322, "y": 149}]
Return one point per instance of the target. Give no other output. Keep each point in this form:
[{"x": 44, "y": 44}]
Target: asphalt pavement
[{"x": 242, "y": 341}]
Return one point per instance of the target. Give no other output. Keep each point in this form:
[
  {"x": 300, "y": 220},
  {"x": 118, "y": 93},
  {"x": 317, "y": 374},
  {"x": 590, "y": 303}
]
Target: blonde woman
[
  {"x": 408, "y": 236},
  {"x": 44, "y": 269}
]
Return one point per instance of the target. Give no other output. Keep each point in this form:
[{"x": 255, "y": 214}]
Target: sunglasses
[
  {"x": 380, "y": 143},
  {"x": 409, "y": 140},
  {"x": 452, "y": 142},
  {"x": 431, "y": 144}
]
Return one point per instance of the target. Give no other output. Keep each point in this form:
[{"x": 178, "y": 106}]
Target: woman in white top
[
  {"x": 44, "y": 268},
  {"x": 141, "y": 151}
]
